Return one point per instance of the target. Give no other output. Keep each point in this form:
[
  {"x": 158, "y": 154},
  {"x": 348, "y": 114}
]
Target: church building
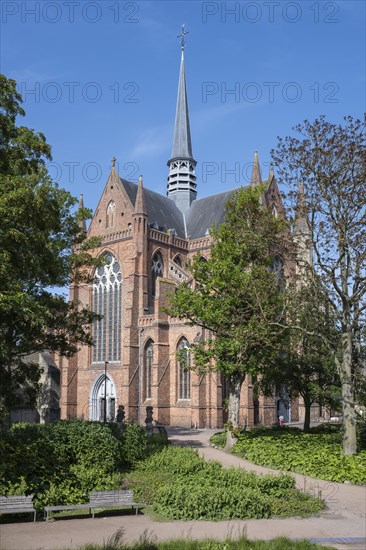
[{"x": 147, "y": 239}]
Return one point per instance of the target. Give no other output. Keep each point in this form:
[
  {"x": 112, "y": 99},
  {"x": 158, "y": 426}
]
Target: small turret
[
  {"x": 140, "y": 204},
  {"x": 302, "y": 230},
  {"x": 82, "y": 222},
  {"x": 256, "y": 178}
]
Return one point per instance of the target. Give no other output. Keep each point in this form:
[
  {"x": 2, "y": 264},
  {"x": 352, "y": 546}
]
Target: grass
[
  {"x": 150, "y": 543},
  {"x": 317, "y": 454}
]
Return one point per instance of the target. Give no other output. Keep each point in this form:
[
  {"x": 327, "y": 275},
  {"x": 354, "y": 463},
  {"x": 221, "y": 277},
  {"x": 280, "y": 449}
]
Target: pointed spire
[
  {"x": 301, "y": 216},
  {"x": 271, "y": 171},
  {"x": 182, "y": 145},
  {"x": 302, "y": 231},
  {"x": 256, "y": 178},
  {"x": 82, "y": 222},
  {"x": 182, "y": 177},
  {"x": 140, "y": 204}
]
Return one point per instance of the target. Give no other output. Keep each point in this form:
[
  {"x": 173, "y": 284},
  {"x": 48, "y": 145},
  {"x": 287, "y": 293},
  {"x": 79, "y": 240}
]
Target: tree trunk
[
  {"x": 307, "y": 405},
  {"x": 348, "y": 402},
  {"x": 234, "y": 383}
]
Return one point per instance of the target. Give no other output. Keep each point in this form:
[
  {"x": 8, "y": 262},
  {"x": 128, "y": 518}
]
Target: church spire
[
  {"x": 182, "y": 178},
  {"x": 82, "y": 222},
  {"x": 302, "y": 230},
  {"x": 256, "y": 178}
]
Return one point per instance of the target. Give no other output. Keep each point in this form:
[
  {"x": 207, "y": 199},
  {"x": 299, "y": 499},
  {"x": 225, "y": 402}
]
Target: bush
[
  {"x": 218, "y": 440},
  {"x": 182, "y": 485},
  {"x": 318, "y": 454},
  {"x": 62, "y": 463}
]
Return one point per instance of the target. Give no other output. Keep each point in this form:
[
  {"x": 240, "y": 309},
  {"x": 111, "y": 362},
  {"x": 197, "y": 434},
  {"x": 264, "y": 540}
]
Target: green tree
[
  {"x": 235, "y": 296},
  {"x": 331, "y": 159},
  {"x": 43, "y": 246},
  {"x": 306, "y": 367}
]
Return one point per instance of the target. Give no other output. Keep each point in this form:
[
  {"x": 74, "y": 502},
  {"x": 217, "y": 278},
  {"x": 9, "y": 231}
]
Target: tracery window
[
  {"x": 107, "y": 301},
  {"x": 184, "y": 365},
  {"x": 148, "y": 362},
  {"x": 111, "y": 214},
  {"x": 178, "y": 260},
  {"x": 157, "y": 269}
]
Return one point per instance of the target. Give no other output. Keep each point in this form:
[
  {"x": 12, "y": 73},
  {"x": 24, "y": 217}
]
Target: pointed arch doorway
[{"x": 103, "y": 399}]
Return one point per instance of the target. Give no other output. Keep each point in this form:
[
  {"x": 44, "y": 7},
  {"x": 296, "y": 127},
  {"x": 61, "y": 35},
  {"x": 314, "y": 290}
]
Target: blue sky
[{"x": 100, "y": 79}]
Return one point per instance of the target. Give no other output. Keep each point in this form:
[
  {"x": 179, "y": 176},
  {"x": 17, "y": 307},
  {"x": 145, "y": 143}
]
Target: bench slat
[
  {"x": 100, "y": 499},
  {"x": 17, "y": 504}
]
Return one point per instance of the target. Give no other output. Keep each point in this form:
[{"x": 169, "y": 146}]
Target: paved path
[{"x": 341, "y": 525}]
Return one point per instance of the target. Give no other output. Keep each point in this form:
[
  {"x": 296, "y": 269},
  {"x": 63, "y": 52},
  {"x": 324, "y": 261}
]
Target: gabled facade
[{"x": 147, "y": 239}]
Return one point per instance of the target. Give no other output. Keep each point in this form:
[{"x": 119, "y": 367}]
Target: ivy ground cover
[
  {"x": 317, "y": 454},
  {"x": 179, "y": 484}
]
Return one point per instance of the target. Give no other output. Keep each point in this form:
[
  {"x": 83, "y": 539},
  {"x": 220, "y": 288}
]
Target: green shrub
[
  {"x": 316, "y": 454},
  {"x": 182, "y": 485},
  {"x": 219, "y": 439},
  {"x": 194, "y": 501},
  {"x": 134, "y": 443},
  {"x": 62, "y": 462}
]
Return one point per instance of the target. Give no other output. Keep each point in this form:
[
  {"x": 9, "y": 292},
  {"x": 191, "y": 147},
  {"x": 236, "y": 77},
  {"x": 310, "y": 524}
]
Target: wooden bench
[
  {"x": 61, "y": 507},
  {"x": 113, "y": 499},
  {"x": 17, "y": 505},
  {"x": 99, "y": 499}
]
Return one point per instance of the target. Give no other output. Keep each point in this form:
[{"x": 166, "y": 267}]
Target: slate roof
[
  {"x": 160, "y": 210},
  {"x": 205, "y": 212},
  {"x": 163, "y": 211}
]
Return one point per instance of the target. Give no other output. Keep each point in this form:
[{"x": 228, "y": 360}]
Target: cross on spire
[
  {"x": 113, "y": 161},
  {"x": 181, "y": 36}
]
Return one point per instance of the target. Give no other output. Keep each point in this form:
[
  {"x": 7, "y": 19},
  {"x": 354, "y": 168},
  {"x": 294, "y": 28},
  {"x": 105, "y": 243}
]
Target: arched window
[
  {"x": 178, "y": 260},
  {"x": 111, "y": 214},
  {"x": 278, "y": 269},
  {"x": 148, "y": 363},
  {"x": 107, "y": 301},
  {"x": 157, "y": 269},
  {"x": 184, "y": 372}
]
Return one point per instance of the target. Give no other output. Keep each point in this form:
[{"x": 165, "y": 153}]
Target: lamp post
[
  {"x": 140, "y": 381},
  {"x": 105, "y": 392}
]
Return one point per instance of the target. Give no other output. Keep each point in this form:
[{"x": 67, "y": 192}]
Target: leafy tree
[
  {"x": 305, "y": 366},
  {"x": 234, "y": 296},
  {"x": 331, "y": 159},
  {"x": 42, "y": 246}
]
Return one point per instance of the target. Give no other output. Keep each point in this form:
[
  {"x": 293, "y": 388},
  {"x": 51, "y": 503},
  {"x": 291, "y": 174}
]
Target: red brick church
[{"x": 147, "y": 239}]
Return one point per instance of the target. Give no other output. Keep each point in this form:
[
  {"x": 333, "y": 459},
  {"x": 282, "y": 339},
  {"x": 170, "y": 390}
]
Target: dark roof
[
  {"x": 161, "y": 210},
  {"x": 203, "y": 213}
]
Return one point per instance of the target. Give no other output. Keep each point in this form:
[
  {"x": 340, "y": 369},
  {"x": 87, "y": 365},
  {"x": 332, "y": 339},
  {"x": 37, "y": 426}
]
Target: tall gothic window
[
  {"x": 184, "y": 372},
  {"x": 148, "y": 362},
  {"x": 278, "y": 270},
  {"x": 111, "y": 214},
  {"x": 157, "y": 269},
  {"x": 107, "y": 301}
]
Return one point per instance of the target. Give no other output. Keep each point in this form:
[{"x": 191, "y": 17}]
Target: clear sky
[{"x": 99, "y": 79}]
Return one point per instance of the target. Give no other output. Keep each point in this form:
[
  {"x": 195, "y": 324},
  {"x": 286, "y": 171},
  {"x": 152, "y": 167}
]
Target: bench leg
[{"x": 35, "y": 516}]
